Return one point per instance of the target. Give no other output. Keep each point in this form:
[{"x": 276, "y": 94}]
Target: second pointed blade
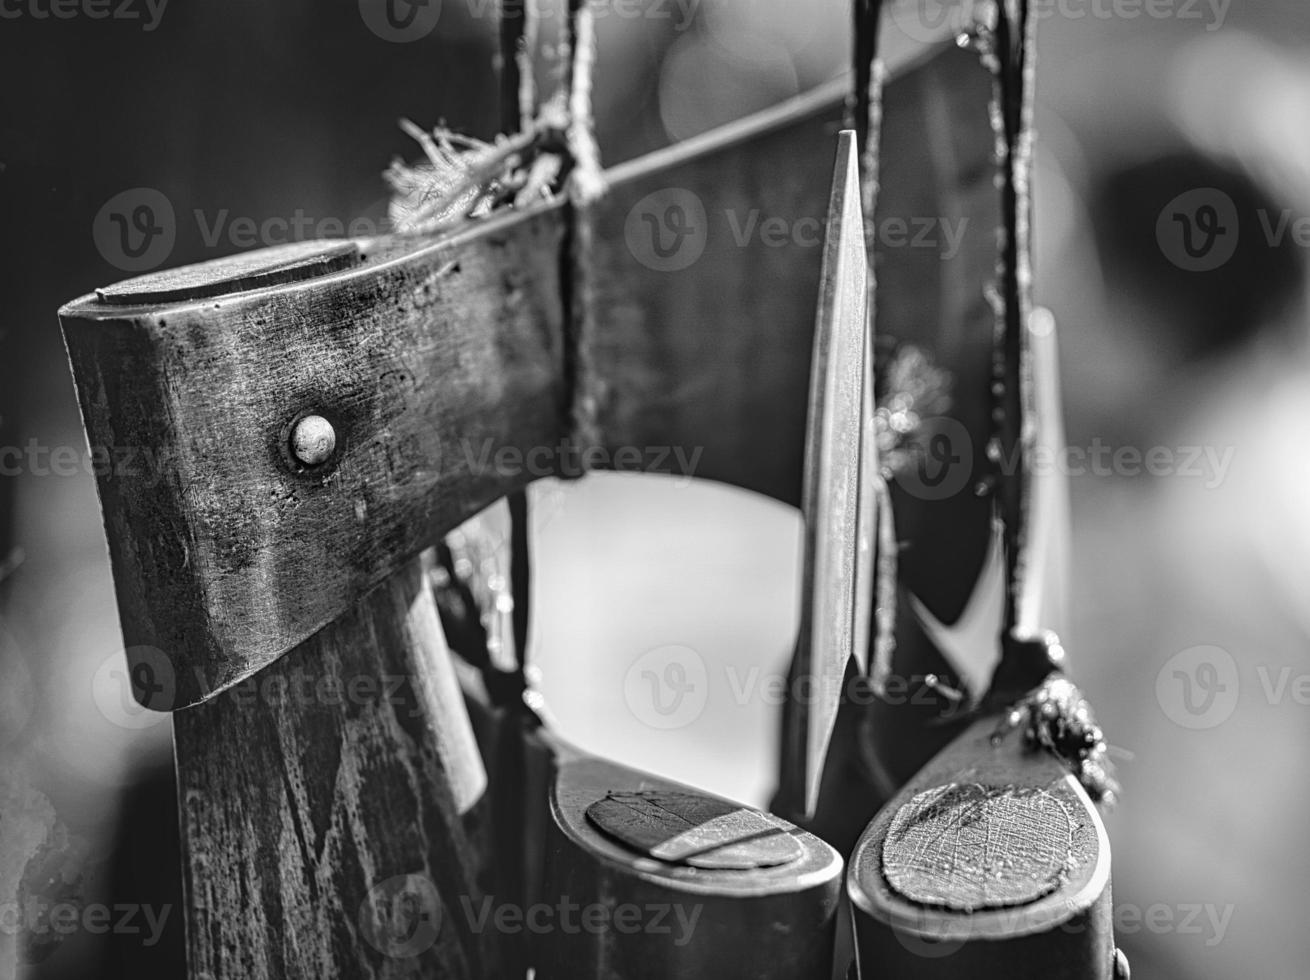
[{"x": 837, "y": 573}]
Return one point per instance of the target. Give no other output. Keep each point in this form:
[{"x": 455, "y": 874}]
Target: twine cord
[
  {"x": 555, "y": 151},
  {"x": 864, "y": 110},
  {"x": 586, "y": 186}
]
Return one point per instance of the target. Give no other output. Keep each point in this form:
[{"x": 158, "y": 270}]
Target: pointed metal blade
[{"x": 837, "y": 576}]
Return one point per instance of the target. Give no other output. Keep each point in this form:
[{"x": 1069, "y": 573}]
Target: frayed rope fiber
[{"x": 462, "y": 178}]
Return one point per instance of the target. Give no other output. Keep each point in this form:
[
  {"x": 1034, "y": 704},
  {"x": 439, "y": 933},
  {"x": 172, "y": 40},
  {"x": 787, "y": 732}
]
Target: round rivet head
[{"x": 313, "y": 439}]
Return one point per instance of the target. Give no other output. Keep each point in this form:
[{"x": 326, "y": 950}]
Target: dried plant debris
[
  {"x": 911, "y": 389},
  {"x": 461, "y": 177},
  {"x": 1056, "y": 717}
]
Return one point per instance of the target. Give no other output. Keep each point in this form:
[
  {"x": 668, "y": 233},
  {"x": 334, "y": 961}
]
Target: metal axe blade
[{"x": 839, "y": 459}]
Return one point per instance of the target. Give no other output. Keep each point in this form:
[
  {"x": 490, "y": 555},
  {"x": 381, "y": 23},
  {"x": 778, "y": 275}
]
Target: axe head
[{"x": 840, "y": 470}]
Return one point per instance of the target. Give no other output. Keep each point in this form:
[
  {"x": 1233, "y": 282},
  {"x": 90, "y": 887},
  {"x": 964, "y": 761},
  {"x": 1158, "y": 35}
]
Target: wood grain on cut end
[
  {"x": 992, "y": 858},
  {"x": 765, "y": 922},
  {"x": 333, "y": 809},
  {"x": 694, "y": 829},
  {"x": 968, "y": 846}
]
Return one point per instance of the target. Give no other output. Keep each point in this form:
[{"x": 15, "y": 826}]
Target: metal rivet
[{"x": 313, "y": 440}]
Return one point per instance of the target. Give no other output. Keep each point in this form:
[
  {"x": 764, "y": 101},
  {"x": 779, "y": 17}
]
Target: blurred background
[{"x": 1189, "y": 589}]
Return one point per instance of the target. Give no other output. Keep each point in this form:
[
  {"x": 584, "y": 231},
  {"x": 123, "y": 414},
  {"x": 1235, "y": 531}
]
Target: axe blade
[{"x": 839, "y": 479}]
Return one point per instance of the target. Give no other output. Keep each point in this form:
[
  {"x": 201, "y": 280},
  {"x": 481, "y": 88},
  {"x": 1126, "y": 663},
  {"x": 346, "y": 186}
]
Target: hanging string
[
  {"x": 518, "y": 30},
  {"x": 862, "y": 105},
  {"x": 586, "y": 183},
  {"x": 864, "y": 115},
  {"x": 1014, "y": 437},
  {"x": 1051, "y": 712},
  {"x": 586, "y": 186},
  {"x": 518, "y": 41}
]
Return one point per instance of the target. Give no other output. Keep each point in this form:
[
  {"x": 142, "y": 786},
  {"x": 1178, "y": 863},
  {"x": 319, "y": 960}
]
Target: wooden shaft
[
  {"x": 991, "y": 862},
  {"x": 332, "y": 808},
  {"x": 992, "y": 859}
]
